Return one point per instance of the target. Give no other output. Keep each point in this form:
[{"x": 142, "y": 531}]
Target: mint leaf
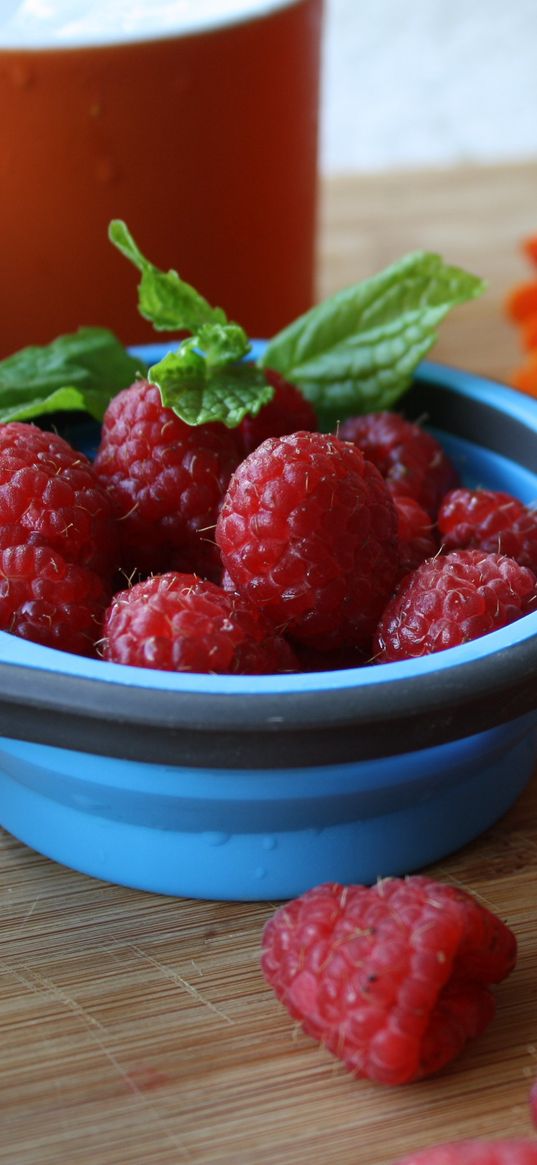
[
  {"x": 203, "y": 380},
  {"x": 357, "y": 351},
  {"x": 222, "y": 344},
  {"x": 163, "y": 297},
  {"x": 199, "y": 393},
  {"x": 80, "y": 371}
]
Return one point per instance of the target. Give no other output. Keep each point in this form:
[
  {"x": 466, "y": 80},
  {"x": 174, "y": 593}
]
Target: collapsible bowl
[{"x": 259, "y": 787}]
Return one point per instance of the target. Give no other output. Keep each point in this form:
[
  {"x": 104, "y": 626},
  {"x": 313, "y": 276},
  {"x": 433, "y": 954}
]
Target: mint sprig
[
  {"x": 357, "y": 352},
  {"x": 354, "y": 353},
  {"x": 206, "y": 378},
  {"x": 80, "y": 371}
]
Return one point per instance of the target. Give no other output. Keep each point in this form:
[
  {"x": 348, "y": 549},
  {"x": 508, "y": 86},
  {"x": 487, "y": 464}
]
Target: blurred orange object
[
  {"x": 521, "y": 309},
  {"x": 525, "y": 377},
  {"x": 528, "y": 333},
  {"x": 529, "y": 246},
  {"x": 521, "y": 303}
]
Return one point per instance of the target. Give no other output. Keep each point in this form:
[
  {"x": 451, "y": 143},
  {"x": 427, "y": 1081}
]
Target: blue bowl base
[{"x": 272, "y": 864}]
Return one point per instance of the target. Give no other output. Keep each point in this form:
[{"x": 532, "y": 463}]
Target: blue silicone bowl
[{"x": 259, "y": 787}]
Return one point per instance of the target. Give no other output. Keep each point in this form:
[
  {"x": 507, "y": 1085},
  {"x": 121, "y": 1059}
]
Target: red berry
[
  {"x": 507, "y": 1152},
  {"x": 416, "y": 534},
  {"x": 287, "y": 412},
  {"x": 177, "y": 622},
  {"x": 491, "y": 521},
  {"x": 166, "y": 479},
  {"x": 307, "y": 531},
  {"x": 51, "y": 495},
  {"x": 475, "y": 1152},
  {"x": 411, "y": 460},
  {"x": 47, "y": 600},
  {"x": 450, "y": 600},
  {"x": 393, "y": 979}
]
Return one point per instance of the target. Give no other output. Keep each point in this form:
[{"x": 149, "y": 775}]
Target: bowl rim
[{"x": 95, "y": 706}]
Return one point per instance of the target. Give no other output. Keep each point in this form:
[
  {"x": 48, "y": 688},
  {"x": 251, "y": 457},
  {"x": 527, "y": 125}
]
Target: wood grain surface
[{"x": 137, "y": 1030}]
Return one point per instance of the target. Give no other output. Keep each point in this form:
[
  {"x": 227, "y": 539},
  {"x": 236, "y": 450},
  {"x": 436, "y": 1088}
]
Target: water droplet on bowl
[{"x": 216, "y": 837}]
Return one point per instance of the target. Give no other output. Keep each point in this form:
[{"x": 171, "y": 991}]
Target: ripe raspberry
[
  {"x": 450, "y": 600},
  {"x": 177, "y": 622},
  {"x": 166, "y": 479},
  {"x": 491, "y": 521},
  {"x": 52, "y": 496},
  {"x": 46, "y": 599},
  {"x": 508, "y": 1152},
  {"x": 393, "y": 979},
  {"x": 287, "y": 412},
  {"x": 307, "y": 531},
  {"x": 416, "y": 534},
  {"x": 410, "y": 459}
]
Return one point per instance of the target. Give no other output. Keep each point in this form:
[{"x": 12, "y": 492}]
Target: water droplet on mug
[
  {"x": 105, "y": 171},
  {"x": 269, "y": 843},
  {"x": 22, "y": 75},
  {"x": 260, "y": 872}
]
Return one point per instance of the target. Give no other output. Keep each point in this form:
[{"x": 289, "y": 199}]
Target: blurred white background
[{"x": 428, "y": 83}]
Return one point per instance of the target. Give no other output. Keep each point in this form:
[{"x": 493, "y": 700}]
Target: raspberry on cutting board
[
  {"x": 308, "y": 532},
  {"x": 489, "y": 520},
  {"x": 166, "y": 479},
  {"x": 516, "y": 1151},
  {"x": 412, "y": 460},
  {"x": 453, "y": 599},
  {"x": 394, "y": 979},
  {"x": 177, "y": 622}
]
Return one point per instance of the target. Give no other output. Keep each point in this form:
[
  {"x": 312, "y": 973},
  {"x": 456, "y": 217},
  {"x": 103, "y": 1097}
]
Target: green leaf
[
  {"x": 203, "y": 380},
  {"x": 80, "y": 371},
  {"x": 222, "y": 344},
  {"x": 357, "y": 351},
  {"x": 199, "y": 393},
  {"x": 163, "y": 297}
]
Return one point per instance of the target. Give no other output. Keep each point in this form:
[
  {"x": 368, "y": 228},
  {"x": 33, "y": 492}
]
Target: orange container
[{"x": 204, "y": 142}]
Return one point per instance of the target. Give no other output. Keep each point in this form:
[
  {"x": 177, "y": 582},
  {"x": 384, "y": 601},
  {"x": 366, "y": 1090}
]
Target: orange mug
[{"x": 204, "y": 139}]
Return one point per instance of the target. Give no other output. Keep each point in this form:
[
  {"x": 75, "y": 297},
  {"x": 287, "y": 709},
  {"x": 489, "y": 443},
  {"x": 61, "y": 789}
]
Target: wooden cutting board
[{"x": 136, "y": 1030}]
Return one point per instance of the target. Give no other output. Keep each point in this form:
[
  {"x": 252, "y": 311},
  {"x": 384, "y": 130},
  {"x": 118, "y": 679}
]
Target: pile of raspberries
[{"x": 267, "y": 548}]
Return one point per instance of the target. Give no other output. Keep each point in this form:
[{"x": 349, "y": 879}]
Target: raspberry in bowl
[{"x": 260, "y": 786}]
